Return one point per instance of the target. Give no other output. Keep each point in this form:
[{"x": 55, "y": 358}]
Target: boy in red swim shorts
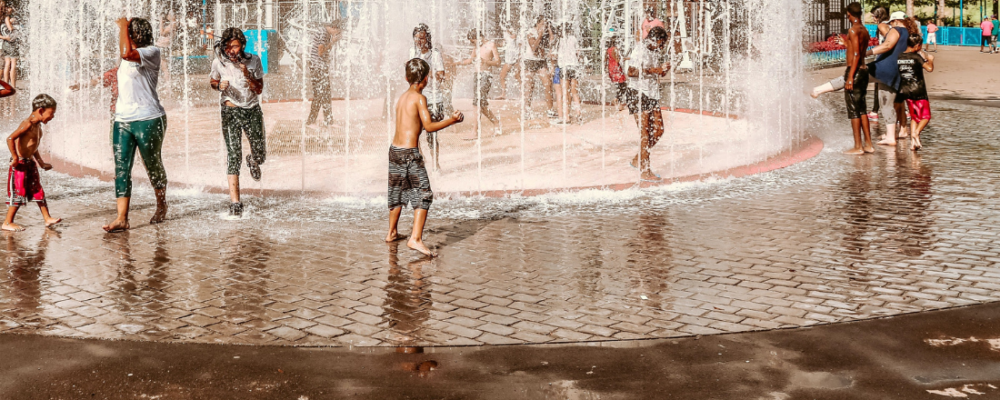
[
  {"x": 913, "y": 88},
  {"x": 23, "y": 182}
]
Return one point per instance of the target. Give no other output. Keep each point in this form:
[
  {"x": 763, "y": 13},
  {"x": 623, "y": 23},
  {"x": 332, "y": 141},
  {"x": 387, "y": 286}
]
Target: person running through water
[
  {"x": 536, "y": 53},
  {"x": 239, "y": 78},
  {"x": 485, "y": 57},
  {"x": 854, "y": 82},
  {"x": 140, "y": 121},
  {"x": 408, "y": 181},
  {"x": 570, "y": 71},
  {"x": 423, "y": 48},
  {"x": 511, "y": 58},
  {"x": 646, "y": 66},
  {"x": 321, "y": 39}
]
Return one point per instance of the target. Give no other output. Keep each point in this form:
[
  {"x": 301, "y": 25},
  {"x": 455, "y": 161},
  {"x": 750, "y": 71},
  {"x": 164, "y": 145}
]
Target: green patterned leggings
[{"x": 147, "y": 137}]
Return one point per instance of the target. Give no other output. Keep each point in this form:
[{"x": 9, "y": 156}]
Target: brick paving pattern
[{"x": 833, "y": 239}]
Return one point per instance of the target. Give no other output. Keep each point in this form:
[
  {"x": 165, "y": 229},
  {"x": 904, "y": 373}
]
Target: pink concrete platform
[{"x": 528, "y": 157}]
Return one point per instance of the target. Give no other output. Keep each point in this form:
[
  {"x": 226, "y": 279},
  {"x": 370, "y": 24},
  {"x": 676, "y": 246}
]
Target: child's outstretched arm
[
  {"x": 430, "y": 126},
  {"x": 7, "y": 90},
  {"x": 12, "y": 142},
  {"x": 125, "y": 45}
]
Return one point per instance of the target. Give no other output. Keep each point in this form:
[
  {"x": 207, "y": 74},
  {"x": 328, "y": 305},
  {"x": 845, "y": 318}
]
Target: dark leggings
[
  {"x": 236, "y": 121},
  {"x": 320, "y": 79},
  {"x": 147, "y": 137}
]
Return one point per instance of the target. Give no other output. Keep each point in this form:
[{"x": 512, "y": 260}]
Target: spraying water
[{"x": 738, "y": 58}]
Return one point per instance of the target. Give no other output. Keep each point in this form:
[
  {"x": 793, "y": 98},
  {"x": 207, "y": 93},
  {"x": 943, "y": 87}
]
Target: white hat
[{"x": 897, "y": 15}]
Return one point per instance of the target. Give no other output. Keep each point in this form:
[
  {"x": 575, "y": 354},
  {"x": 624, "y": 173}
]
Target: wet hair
[
  {"x": 141, "y": 32},
  {"x": 42, "y": 101},
  {"x": 854, "y": 9},
  {"x": 229, "y": 35},
  {"x": 474, "y": 34},
  {"x": 416, "y": 71},
  {"x": 915, "y": 40},
  {"x": 657, "y": 34},
  {"x": 880, "y": 14},
  {"x": 425, "y": 29}
]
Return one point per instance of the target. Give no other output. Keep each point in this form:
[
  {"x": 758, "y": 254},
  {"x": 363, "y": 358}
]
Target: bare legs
[
  {"x": 121, "y": 223},
  {"x": 10, "y": 71},
  {"x": 861, "y": 125},
  {"x": 234, "y": 188},
  {"x": 546, "y": 76},
  {"x": 890, "y": 129},
  {"x": 651, "y": 130},
  {"x": 10, "y": 226},
  {"x": 504, "y": 71},
  {"x": 916, "y": 128},
  {"x": 416, "y": 241}
]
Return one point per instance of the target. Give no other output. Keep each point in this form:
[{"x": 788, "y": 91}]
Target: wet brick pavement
[{"x": 836, "y": 238}]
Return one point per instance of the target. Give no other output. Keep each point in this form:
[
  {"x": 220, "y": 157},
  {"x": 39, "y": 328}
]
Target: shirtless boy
[
  {"x": 485, "y": 56},
  {"x": 24, "y": 184},
  {"x": 408, "y": 181},
  {"x": 854, "y": 82}
]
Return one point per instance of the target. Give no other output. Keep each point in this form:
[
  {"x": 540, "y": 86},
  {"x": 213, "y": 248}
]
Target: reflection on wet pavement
[{"x": 832, "y": 239}]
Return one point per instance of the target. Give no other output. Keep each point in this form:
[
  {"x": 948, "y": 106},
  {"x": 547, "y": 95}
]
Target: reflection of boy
[
  {"x": 649, "y": 71},
  {"x": 408, "y": 180}
]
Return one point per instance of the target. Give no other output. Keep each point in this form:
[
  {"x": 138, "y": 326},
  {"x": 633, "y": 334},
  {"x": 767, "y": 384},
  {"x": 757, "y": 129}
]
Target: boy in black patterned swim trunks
[{"x": 408, "y": 181}]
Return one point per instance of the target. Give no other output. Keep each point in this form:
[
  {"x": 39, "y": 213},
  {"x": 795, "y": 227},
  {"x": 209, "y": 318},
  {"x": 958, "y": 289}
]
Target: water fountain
[{"x": 733, "y": 98}]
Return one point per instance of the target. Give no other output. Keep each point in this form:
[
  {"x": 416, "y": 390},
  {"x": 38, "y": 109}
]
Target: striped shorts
[{"x": 408, "y": 181}]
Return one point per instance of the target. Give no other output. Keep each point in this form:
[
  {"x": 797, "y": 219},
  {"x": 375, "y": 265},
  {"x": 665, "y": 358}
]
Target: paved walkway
[{"x": 833, "y": 239}]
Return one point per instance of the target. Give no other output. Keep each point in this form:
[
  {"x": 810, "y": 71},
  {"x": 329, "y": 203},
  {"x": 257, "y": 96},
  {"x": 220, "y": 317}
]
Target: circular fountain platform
[{"x": 349, "y": 157}]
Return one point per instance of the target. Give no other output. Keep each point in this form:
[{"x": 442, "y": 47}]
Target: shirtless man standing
[
  {"x": 854, "y": 82},
  {"x": 408, "y": 181}
]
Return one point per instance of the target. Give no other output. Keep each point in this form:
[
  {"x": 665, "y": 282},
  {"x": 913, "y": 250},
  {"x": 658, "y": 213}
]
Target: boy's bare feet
[
  {"x": 855, "y": 151},
  {"x": 159, "y": 215},
  {"x": 869, "y": 148},
  {"x": 52, "y": 222},
  {"x": 13, "y": 228},
  {"x": 117, "y": 225},
  {"x": 419, "y": 246}
]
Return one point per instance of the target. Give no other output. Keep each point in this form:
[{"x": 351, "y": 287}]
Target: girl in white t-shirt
[{"x": 140, "y": 121}]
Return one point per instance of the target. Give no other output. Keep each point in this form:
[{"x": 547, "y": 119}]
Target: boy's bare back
[
  {"x": 412, "y": 117},
  {"x": 408, "y": 121}
]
